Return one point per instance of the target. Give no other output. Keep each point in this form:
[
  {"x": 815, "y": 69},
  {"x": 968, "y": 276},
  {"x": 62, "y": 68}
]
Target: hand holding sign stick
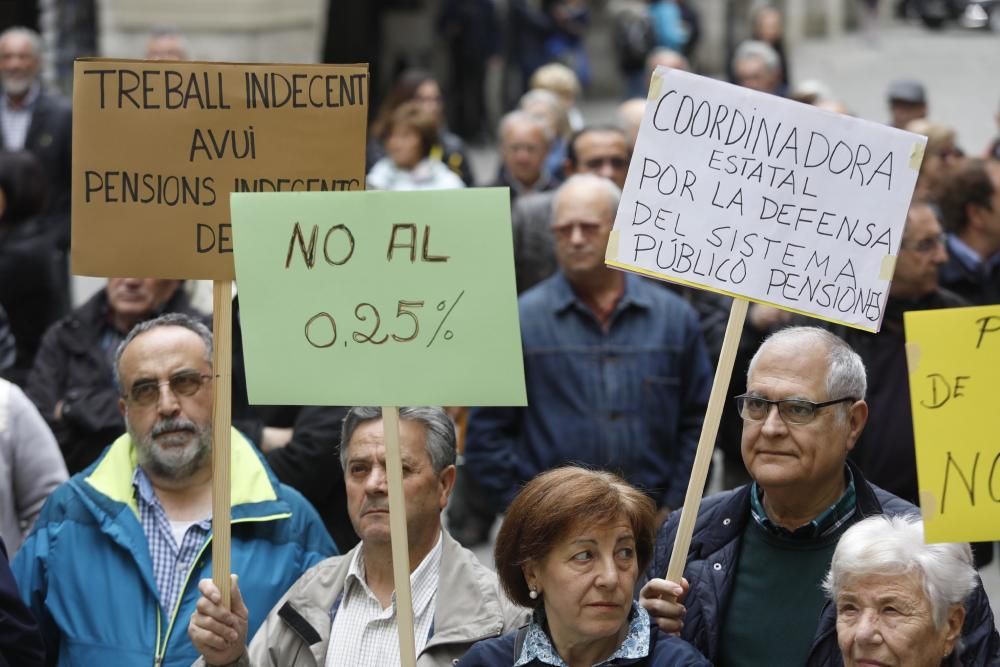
[
  {"x": 430, "y": 313},
  {"x": 763, "y": 199}
]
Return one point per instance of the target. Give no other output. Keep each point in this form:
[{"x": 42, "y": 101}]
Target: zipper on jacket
[{"x": 161, "y": 649}]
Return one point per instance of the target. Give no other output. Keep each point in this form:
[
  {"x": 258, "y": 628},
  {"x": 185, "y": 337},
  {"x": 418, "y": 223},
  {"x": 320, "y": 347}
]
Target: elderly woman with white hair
[{"x": 899, "y": 601}]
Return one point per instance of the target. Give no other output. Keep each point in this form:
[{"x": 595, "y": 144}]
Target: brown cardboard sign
[{"x": 158, "y": 147}]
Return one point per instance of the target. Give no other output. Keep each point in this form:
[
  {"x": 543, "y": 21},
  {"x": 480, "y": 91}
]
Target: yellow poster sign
[{"x": 954, "y": 364}]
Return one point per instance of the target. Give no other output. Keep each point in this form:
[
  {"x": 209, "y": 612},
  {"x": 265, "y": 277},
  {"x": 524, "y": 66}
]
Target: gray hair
[
  {"x": 760, "y": 50},
  {"x": 438, "y": 427},
  {"x": 845, "y": 375},
  {"x": 590, "y": 182},
  {"x": 549, "y": 100},
  {"x": 33, "y": 37},
  {"x": 165, "y": 320},
  {"x": 518, "y": 116},
  {"x": 884, "y": 545}
]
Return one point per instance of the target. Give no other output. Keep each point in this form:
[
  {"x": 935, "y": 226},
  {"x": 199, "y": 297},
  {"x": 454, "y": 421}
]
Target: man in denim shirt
[{"x": 616, "y": 371}]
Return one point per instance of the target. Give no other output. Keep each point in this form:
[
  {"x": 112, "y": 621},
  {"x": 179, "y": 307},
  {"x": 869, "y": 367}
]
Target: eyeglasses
[
  {"x": 187, "y": 383},
  {"x": 587, "y": 229},
  {"x": 792, "y": 410},
  {"x": 596, "y": 163},
  {"x": 929, "y": 244}
]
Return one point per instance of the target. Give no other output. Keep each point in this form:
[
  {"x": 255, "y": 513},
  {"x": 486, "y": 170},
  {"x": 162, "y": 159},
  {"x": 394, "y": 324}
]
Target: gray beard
[
  {"x": 15, "y": 86},
  {"x": 176, "y": 466}
]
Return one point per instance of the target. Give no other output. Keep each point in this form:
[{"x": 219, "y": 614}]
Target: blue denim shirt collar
[
  {"x": 563, "y": 296},
  {"x": 537, "y": 645}
]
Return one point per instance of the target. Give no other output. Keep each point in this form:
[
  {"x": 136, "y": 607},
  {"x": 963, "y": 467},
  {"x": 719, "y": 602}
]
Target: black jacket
[
  {"x": 975, "y": 287},
  {"x": 31, "y": 289},
  {"x": 711, "y": 570},
  {"x": 71, "y": 366},
  {"x": 50, "y": 140}
]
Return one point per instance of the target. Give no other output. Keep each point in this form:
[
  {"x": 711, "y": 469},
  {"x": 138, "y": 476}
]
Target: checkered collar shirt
[
  {"x": 15, "y": 122},
  {"x": 823, "y": 525},
  {"x": 171, "y": 561},
  {"x": 365, "y": 634}
]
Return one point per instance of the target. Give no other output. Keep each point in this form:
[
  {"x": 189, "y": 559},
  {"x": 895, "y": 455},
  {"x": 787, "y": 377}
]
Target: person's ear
[
  {"x": 953, "y": 627},
  {"x": 530, "y": 572},
  {"x": 446, "y": 480},
  {"x": 857, "y": 417}
]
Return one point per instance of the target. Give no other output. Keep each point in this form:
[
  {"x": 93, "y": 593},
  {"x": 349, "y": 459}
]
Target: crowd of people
[{"x": 813, "y": 553}]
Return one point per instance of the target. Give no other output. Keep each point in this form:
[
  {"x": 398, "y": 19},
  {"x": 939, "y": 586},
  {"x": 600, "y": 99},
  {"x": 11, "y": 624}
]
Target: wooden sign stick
[
  {"x": 400, "y": 541},
  {"x": 222, "y": 362},
  {"x": 706, "y": 443}
]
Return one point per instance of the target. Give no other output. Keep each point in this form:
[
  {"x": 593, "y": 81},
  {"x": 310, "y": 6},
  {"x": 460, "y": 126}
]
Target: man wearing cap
[{"x": 907, "y": 102}]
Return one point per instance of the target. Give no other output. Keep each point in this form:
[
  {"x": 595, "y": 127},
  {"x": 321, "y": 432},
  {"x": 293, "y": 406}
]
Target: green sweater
[{"x": 776, "y": 599}]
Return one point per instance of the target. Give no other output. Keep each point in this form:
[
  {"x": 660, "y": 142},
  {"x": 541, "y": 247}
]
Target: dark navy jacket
[
  {"x": 711, "y": 569},
  {"x": 664, "y": 651}
]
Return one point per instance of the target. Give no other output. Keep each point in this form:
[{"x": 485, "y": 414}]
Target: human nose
[
  {"x": 166, "y": 402},
  {"x": 773, "y": 422},
  {"x": 866, "y": 629},
  {"x": 377, "y": 482},
  {"x": 576, "y": 235},
  {"x": 607, "y": 573}
]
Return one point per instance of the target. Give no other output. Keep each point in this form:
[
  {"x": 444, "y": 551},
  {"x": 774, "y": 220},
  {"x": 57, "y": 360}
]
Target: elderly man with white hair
[
  {"x": 615, "y": 368},
  {"x": 899, "y": 601},
  {"x": 525, "y": 140},
  {"x": 760, "y": 552}
]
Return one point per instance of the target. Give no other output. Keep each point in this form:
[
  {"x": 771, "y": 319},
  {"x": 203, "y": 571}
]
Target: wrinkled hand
[
  {"x": 219, "y": 634},
  {"x": 273, "y": 437},
  {"x": 662, "y": 599},
  {"x": 767, "y": 318}
]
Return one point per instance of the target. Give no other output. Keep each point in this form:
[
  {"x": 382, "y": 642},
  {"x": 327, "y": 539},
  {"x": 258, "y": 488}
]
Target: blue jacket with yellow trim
[{"x": 87, "y": 574}]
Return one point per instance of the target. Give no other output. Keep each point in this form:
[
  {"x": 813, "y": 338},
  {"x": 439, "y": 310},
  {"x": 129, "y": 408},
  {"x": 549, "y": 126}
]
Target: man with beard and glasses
[{"x": 111, "y": 568}]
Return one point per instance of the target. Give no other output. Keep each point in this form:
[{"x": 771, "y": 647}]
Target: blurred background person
[
  {"x": 31, "y": 287},
  {"x": 970, "y": 212},
  {"x": 900, "y": 601},
  {"x": 571, "y": 548},
  {"x": 569, "y": 20},
  {"x": 472, "y": 33},
  {"x": 756, "y": 65},
  {"x": 564, "y": 83},
  {"x": 31, "y": 466},
  {"x": 525, "y": 140},
  {"x": 634, "y": 39},
  {"x": 39, "y": 121},
  {"x": 549, "y": 107},
  {"x": 941, "y": 157},
  {"x": 421, "y": 88},
  {"x": 166, "y": 43},
  {"x": 768, "y": 27},
  {"x": 410, "y": 135},
  {"x": 72, "y": 380},
  {"x": 907, "y": 102}
]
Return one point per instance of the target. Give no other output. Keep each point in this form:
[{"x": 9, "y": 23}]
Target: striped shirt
[
  {"x": 365, "y": 634},
  {"x": 171, "y": 561},
  {"x": 15, "y": 121},
  {"x": 825, "y": 524}
]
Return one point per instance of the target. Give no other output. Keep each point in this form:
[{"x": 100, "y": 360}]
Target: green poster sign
[{"x": 378, "y": 298}]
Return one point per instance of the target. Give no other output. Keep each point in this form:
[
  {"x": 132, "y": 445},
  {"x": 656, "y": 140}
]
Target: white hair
[
  {"x": 589, "y": 182},
  {"x": 761, "y": 50},
  {"x": 885, "y": 546},
  {"x": 31, "y": 35},
  {"x": 518, "y": 116},
  {"x": 845, "y": 375}
]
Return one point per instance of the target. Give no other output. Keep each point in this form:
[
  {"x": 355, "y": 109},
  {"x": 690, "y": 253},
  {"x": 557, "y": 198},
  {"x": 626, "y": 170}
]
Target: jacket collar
[
  {"x": 465, "y": 617},
  {"x": 563, "y": 297},
  {"x": 252, "y": 485}
]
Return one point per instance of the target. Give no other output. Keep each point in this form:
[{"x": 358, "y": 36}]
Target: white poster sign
[{"x": 755, "y": 196}]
